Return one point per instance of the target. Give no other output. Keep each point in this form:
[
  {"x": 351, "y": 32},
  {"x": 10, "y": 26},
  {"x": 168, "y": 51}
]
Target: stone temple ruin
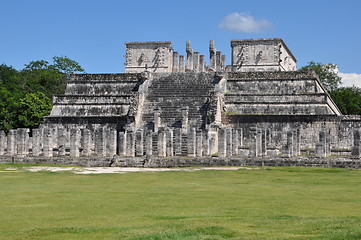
[{"x": 169, "y": 109}]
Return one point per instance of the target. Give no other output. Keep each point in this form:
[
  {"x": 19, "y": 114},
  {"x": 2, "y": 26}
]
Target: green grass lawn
[{"x": 265, "y": 203}]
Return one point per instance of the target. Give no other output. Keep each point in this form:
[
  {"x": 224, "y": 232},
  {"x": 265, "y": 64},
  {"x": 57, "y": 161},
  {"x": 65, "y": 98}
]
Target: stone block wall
[
  {"x": 96, "y": 95},
  {"x": 278, "y": 93}
]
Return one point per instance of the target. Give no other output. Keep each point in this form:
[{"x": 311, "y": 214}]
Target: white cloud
[
  {"x": 350, "y": 79},
  {"x": 244, "y": 22}
]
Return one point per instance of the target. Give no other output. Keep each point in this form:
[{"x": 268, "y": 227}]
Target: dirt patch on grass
[{"x": 104, "y": 170}]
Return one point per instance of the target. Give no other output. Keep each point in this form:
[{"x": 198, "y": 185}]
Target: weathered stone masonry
[{"x": 168, "y": 106}]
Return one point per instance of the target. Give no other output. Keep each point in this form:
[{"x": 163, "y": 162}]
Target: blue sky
[{"x": 94, "y": 32}]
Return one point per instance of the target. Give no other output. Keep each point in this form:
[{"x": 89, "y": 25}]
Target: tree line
[{"x": 26, "y": 94}]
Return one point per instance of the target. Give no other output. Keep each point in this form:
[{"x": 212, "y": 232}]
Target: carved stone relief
[
  {"x": 128, "y": 57},
  {"x": 142, "y": 59},
  {"x": 159, "y": 58}
]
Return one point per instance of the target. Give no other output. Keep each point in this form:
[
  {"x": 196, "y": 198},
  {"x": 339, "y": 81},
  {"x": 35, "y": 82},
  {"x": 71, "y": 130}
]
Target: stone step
[
  {"x": 280, "y": 109},
  {"x": 272, "y": 98}
]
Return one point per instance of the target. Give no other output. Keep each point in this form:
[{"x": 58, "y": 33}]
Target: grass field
[{"x": 264, "y": 203}]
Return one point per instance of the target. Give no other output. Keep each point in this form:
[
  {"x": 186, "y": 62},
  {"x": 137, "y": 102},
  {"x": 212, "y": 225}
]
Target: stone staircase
[{"x": 171, "y": 92}]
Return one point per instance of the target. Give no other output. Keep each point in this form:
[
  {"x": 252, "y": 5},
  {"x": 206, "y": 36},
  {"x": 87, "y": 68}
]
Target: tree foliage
[
  {"x": 32, "y": 109},
  {"x": 327, "y": 74},
  {"x": 25, "y": 95},
  {"x": 348, "y": 99}
]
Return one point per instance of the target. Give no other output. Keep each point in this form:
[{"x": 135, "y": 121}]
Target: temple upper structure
[
  {"x": 261, "y": 55},
  {"x": 247, "y": 56}
]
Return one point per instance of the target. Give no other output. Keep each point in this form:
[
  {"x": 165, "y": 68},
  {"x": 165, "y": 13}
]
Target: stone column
[
  {"x": 263, "y": 142},
  {"x": 100, "y": 142},
  {"x": 74, "y": 142},
  {"x": 321, "y": 145},
  {"x": 169, "y": 140},
  {"x": 222, "y": 142},
  {"x": 212, "y": 143},
  {"x": 259, "y": 145},
  {"x": 149, "y": 143},
  {"x": 356, "y": 150},
  {"x": 122, "y": 144},
  {"x": 240, "y": 137},
  {"x": 189, "y": 51},
  {"x": 288, "y": 148},
  {"x": 254, "y": 142},
  {"x": 85, "y": 142},
  {"x": 196, "y": 61},
  {"x": 157, "y": 120},
  {"x": 139, "y": 141},
  {"x": 130, "y": 143},
  {"x": 161, "y": 146},
  {"x": 201, "y": 64},
  {"x": 235, "y": 142},
  {"x": 218, "y": 61},
  {"x": 199, "y": 143},
  {"x": 328, "y": 143},
  {"x": 181, "y": 63},
  {"x": 212, "y": 54},
  {"x": 229, "y": 142},
  {"x": 175, "y": 61},
  {"x": 297, "y": 142},
  {"x": 205, "y": 145},
  {"x": 111, "y": 142},
  {"x": 191, "y": 143},
  {"x": 223, "y": 62},
  {"x": 177, "y": 141},
  {"x": 61, "y": 141},
  {"x": 36, "y": 148},
  {"x": 21, "y": 137},
  {"x": 11, "y": 146},
  {"x": 185, "y": 111},
  {"x": 2, "y": 142},
  {"x": 47, "y": 143}
]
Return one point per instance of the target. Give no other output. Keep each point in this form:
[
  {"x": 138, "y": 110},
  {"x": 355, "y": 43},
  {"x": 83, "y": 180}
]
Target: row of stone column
[
  {"x": 166, "y": 142},
  {"x": 196, "y": 63},
  {"x": 293, "y": 143},
  {"x": 161, "y": 142},
  {"x": 43, "y": 142}
]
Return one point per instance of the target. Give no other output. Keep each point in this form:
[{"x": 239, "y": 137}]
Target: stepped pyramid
[
  {"x": 167, "y": 104},
  {"x": 260, "y": 81}
]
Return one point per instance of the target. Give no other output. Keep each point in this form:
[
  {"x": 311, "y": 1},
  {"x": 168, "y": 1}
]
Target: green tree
[
  {"x": 66, "y": 65},
  {"x": 10, "y": 93},
  {"x": 327, "y": 74},
  {"x": 348, "y": 99},
  {"x": 32, "y": 109},
  {"x": 39, "y": 76},
  {"x": 8, "y": 109},
  {"x": 10, "y": 79},
  {"x": 25, "y": 95}
]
